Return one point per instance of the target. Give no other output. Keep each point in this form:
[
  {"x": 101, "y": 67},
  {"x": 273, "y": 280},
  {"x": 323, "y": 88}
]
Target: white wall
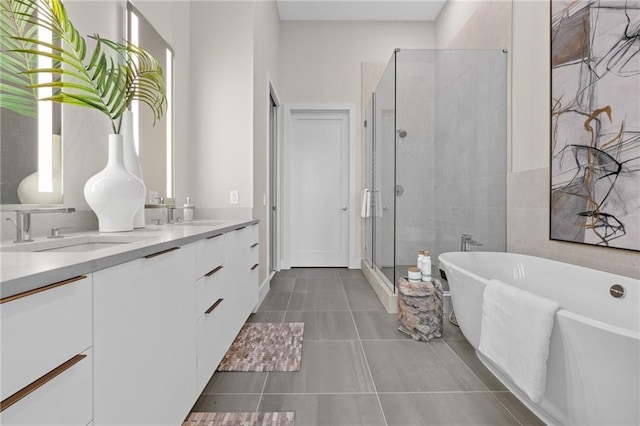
[
  {"x": 321, "y": 62},
  {"x": 221, "y": 103},
  {"x": 531, "y": 98},
  {"x": 452, "y": 19},
  {"x": 266, "y": 70}
]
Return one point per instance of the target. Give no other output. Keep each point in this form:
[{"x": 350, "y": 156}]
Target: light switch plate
[{"x": 233, "y": 197}]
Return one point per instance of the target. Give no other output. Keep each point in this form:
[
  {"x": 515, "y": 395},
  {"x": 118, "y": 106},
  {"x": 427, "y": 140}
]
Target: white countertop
[{"x": 25, "y": 271}]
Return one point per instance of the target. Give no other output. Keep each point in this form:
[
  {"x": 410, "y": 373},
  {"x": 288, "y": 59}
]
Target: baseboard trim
[
  {"x": 263, "y": 290},
  {"x": 388, "y": 299}
]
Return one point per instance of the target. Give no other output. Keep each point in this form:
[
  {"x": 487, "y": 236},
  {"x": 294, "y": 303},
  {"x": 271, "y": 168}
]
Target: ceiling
[{"x": 359, "y": 10}]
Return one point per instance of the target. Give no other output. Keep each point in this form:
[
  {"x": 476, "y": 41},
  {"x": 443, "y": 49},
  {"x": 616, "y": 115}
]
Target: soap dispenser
[{"x": 188, "y": 211}]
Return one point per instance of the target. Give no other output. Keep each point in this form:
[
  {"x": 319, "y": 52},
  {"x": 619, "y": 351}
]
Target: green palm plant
[{"x": 108, "y": 79}]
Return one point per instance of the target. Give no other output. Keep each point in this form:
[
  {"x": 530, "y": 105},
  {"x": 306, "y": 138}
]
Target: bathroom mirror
[
  {"x": 154, "y": 141},
  {"x": 31, "y": 154}
]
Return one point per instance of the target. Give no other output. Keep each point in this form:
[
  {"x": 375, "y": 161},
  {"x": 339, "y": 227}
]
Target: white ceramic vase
[
  {"x": 28, "y": 191},
  {"x": 114, "y": 193},
  {"x": 132, "y": 161}
]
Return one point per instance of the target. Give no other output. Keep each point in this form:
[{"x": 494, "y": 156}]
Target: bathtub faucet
[{"x": 466, "y": 241}]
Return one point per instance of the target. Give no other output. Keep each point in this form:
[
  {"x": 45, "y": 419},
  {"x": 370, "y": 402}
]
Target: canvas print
[{"x": 595, "y": 122}]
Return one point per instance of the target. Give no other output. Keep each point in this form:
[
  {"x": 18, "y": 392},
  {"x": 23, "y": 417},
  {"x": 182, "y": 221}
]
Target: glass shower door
[
  {"x": 368, "y": 182},
  {"x": 383, "y": 196}
]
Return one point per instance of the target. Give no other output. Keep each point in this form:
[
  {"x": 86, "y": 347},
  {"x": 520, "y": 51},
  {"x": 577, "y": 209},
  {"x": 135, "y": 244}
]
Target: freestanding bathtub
[{"x": 593, "y": 369}]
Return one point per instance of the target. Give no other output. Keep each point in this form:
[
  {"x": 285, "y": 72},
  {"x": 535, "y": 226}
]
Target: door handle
[{"x": 344, "y": 209}]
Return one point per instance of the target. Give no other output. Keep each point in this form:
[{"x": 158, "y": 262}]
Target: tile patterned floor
[{"x": 357, "y": 369}]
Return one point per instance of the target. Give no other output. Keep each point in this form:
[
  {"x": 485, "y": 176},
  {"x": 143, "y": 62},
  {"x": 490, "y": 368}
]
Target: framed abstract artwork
[{"x": 595, "y": 122}]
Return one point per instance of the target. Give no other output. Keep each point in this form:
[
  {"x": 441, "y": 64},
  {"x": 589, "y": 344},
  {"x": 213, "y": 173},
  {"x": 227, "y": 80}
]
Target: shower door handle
[{"x": 344, "y": 209}]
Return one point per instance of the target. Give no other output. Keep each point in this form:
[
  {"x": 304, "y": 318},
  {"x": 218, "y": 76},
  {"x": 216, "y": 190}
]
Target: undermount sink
[{"x": 82, "y": 243}]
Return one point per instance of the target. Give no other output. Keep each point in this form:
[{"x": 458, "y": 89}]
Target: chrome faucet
[
  {"x": 466, "y": 241},
  {"x": 170, "y": 209},
  {"x": 23, "y": 221},
  {"x": 171, "y": 214}
]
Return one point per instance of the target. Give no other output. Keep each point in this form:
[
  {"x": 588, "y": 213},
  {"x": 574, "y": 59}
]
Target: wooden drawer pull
[
  {"x": 16, "y": 397},
  {"x": 255, "y": 245},
  {"x": 38, "y": 290},
  {"x": 214, "y": 236},
  {"x": 254, "y": 266},
  {"x": 149, "y": 256},
  {"x": 208, "y": 274},
  {"x": 242, "y": 227},
  {"x": 215, "y": 305}
]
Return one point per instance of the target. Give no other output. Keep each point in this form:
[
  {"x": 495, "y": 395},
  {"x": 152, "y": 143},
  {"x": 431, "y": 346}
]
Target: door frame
[
  {"x": 274, "y": 173},
  {"x": 289, "y": 110}
]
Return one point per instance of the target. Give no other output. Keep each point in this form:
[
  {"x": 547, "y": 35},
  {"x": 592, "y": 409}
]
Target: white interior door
[{"x": 319, "y": 185}]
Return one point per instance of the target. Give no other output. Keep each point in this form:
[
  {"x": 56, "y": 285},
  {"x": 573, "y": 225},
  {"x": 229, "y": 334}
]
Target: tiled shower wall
[
  {"x": 452, "y": 163},
  {"x": 415, "y": 155},
  {"x": 470, "y": 148}
]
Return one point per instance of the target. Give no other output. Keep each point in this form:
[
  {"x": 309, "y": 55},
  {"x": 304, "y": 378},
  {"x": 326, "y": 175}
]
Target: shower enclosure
[{"x": 435, "y": 157}]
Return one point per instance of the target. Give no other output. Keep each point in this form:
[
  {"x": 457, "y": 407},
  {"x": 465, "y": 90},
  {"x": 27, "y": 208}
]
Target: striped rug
[
  {"x": 265, "y": 347},
  {"x": 240, "y": 419}
]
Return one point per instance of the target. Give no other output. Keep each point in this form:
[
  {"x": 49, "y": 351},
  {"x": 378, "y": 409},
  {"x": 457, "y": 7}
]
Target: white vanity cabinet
[
  {"x": 130, "y": 344},
  {"x": 145, "y": 339},
  {"x": 46, "y": 355},
  {"x": 242, "y": 267},
  {"x": 253, "y": 257},
  {"x": 214, "y": 307},
  {"x": 230, "y": 298}
]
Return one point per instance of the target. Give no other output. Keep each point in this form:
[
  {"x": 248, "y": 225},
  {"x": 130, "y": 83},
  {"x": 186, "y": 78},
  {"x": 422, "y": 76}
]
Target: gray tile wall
[
  {"x": 415, "y": 154},
  {"x": 470, "y": 149}
]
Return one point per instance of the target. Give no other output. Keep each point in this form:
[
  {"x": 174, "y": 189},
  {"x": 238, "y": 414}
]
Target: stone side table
[{"x": 420, "y": 309}]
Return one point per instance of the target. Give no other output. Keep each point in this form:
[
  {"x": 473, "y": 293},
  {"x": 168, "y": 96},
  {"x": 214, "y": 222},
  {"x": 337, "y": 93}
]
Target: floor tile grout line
[
  {"x": 366, "y": 361},
  {"x": 286, "y": 309},
  {"x": 506, "y": 409},
  {"x": 264, "y": 385},
  {"x": 443, "y": 392},
  {"x": 467, "y": 366}
]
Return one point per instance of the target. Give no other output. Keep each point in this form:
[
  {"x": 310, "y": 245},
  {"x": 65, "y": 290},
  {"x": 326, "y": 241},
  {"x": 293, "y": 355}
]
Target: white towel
[
  {"x": 365, "y": 209},
  {"x": 515, "y": 334}
]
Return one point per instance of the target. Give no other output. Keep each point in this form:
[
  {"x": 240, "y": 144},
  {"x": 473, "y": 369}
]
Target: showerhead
[{"x": 401, "y": 133}]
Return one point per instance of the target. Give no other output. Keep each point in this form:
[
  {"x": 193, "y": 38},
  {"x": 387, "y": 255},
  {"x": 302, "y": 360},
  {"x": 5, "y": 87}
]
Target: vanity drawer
[
  {"x": 209, "y": 288},
  {"x": 42, "y": 329},
  {"x": 254, "y": 237},
  {"x": 213, "y": 337},
  {"x": 65, "y": 399},
  {"x": 210, "y": 254}
]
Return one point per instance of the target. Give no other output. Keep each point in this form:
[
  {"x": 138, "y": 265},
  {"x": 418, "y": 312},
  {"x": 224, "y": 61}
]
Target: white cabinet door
[
  {"x": 144, "y": 340},
  {"x": 43, "y": 330},
  {"x": 46, "y": 374},
  {"x": 239, "y": 274},
  {"x": 65, "y": 399},
  {"x": 214, "y": 336}
]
